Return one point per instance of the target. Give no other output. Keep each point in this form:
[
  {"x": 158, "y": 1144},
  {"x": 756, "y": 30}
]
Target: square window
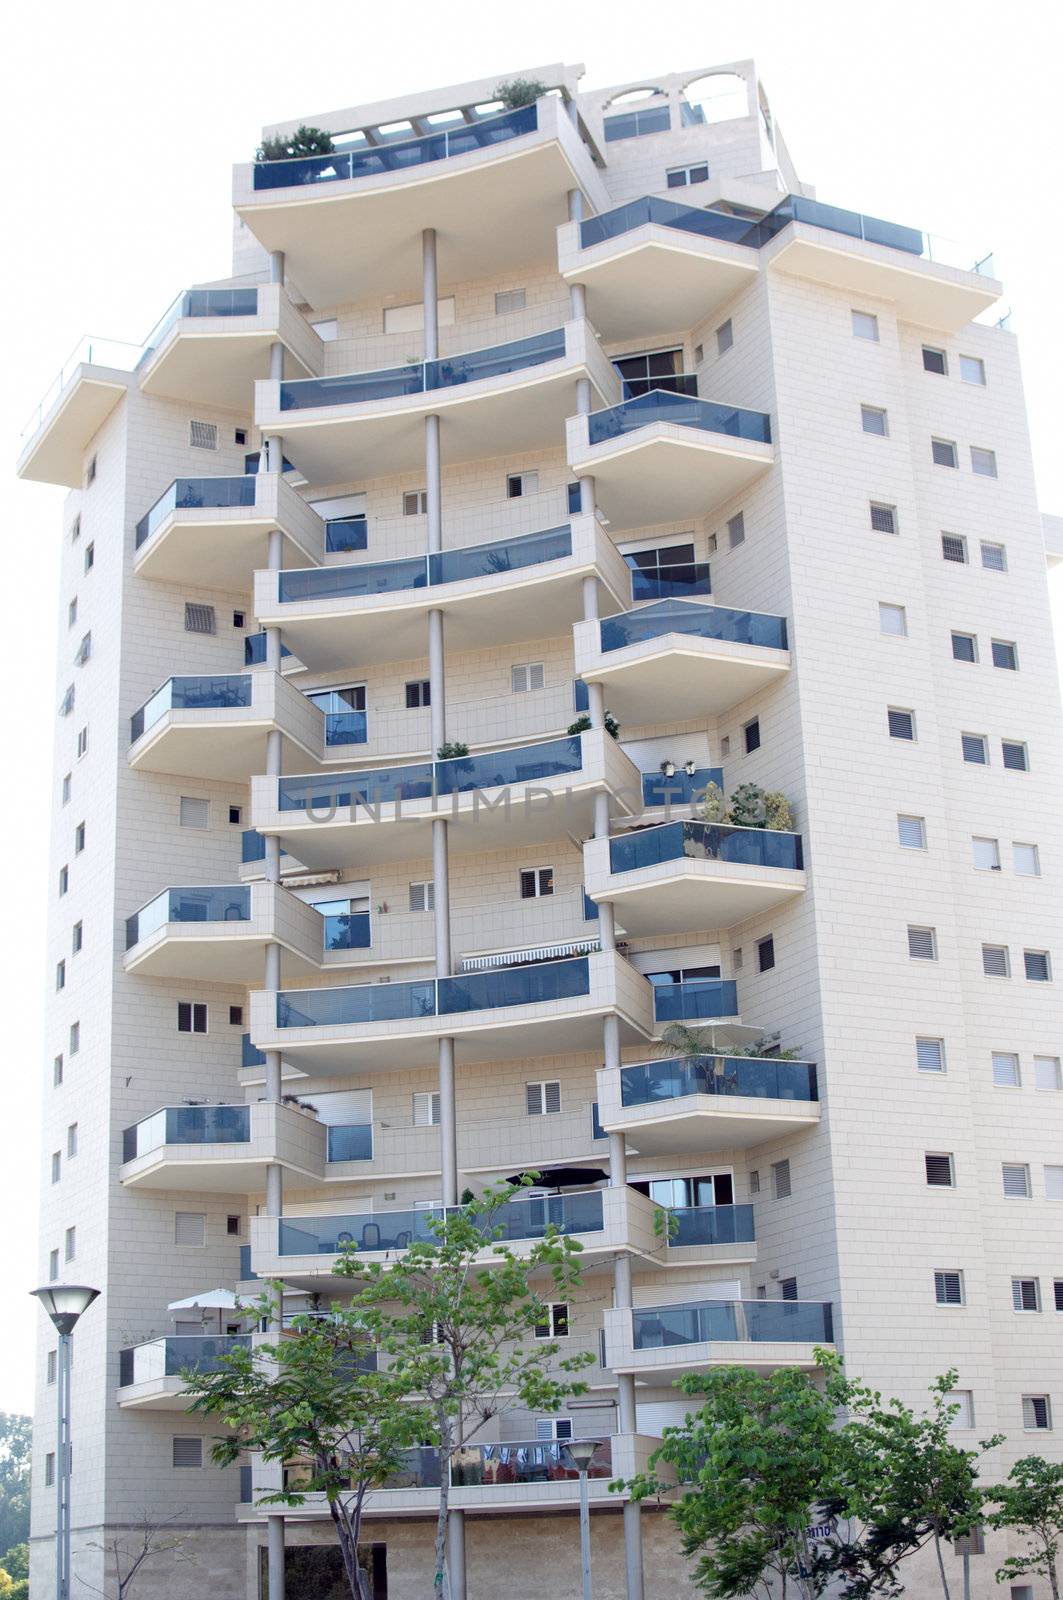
[
  {"x": 236, "y": 1016},
  {"x": 780, "y": 1180},
  {"x": 1038, "y": 966},
  {"x": 765, "y": 954},
  {"x": 527, "y": 676},
  {"x": 954, "y": 548},
  {"x": 725, "y": 337},
  {"x": 191, "y": 1016},
  {"x": 995, "y": 962},
  {"x": 575, "y": 499},
  {"x": 901, "y": 723},
  {"x": 423, "y": 896},
  {"x": 911, "y": 832},
  {"x": 892, "y": 619},
  {"x": 883, "y": 517},
  {"x": 922, "y": 944},
  {"x": 943, "y": 453},
  {"x": 1036, "y": 1413},
  {"x": 1025, "y": 1294},
  {"x": 1026, "y": 860},
  {"x": 874, "y": 420},
  {"x": 1057, "y": 1293},
  {"x": 962, "y": 1401},
  {"x": 986, "y": 854},
  {"x": 751, "y": 732},
  {"x": 948, "y": 1287},
  {"x": 418, "y": 694},
  {"x": 508, "y": 300},
  {"x": 194, "y": 813},
  {"x": 239, "y": 619},
  {"x": 994, "y": 556},
  {"x": 233, "y": 1227},
  {"x": 972, "y": 370},
  {"x": 930, "y": 1055},
  {"x": 521, "y": 484},
  {"x": 1006, "y": 1071},
  {"x": 555, "y": 1322},
  {"x": 940, "y": 1171},
  {"x": 964, "y": 647},
  {"x": 1047, "y": 1075},
  {"x": 935, "y": 361},
  {"x": 736, "y": 530},
  {"x": 235, "y": 816},
  {"x": 199, "y": 618},
  {"x": 187, "y": 1452},
  {"x": 240, "y": 434},
  {"x": 536, "y": 883},
  {"x": 865, "y": 326},
  {"x": 975, "y": 749},
  {"x": 426, "y": 1109},
  {"x": 983, "y": 462},
  {"x": 415, "y": 503},
  {"x": 543, "y": 1099},
  {"x": 190, "y": 1228},
  {"x": 1005, "y": 655},
  {"x": 1015, "y": 755},
  {"x": 1015, "y": 1177}
]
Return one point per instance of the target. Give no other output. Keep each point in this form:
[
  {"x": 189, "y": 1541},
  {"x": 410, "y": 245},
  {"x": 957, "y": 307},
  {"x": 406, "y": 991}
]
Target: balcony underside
[
  {"x": 214, "y": 361},
  {"x": 156, "y": 1394},
  {"x": 657, "y": 1367},
  {"x": 225, "y": 747},
  {"x": 223, "y": 1171},
  {"x": 228, "y": 953},
  {"x": 693, "y": 677},
  {"x": 709, "y": 1122},
  {"x": 665, "y": 472},
  {"x": 692, "y": 896},
  {"x": 55, "y": 453},
  {"x": 657, "y": 280},
  {"x": 223, "y": 548}
]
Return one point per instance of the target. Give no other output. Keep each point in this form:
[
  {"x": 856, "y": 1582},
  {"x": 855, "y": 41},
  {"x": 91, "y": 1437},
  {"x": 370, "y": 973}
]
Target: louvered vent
[
  {"x": 199, "y": 619},
  {"x": 203, "y": 435}
]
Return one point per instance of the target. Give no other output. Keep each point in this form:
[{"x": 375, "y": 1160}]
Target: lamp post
[
  {"x": 64, "y": 1303},
  {"x": 580, "y": 1452}
]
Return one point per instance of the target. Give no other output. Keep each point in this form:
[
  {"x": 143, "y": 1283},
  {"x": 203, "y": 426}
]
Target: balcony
[
  {"x": 219, "y": 529},
  {"x": 503, "y": 1013},
  {"x": 665, "y": 457},
  {"x": 659, "y": 1342},
  {"x": 223, "y": 1149},
  {"x": 350, "y": 223},
  {"x": 75, "y": 406},
  {"x": 508, "y": 398},
  {"x": 695, "y": 659},
  {"x": 218, "y": 934},
  {"x": 688, "y": 877},
  {"x": 698, "y": 1000},
  {"x": 653, "y": 265},
  {"x": 491, "y": 594},
  {"x": 150, "y": 1375},
  {"x": 214, "y": 727},
  {"x": 498, "y": 800},
  {"x": 708, "y": 1103}
]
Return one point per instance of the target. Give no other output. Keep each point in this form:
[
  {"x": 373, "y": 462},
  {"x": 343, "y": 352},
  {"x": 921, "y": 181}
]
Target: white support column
[
  {"x": 575, "y": 198},
  {"x": 437, "y": 681},
  {"x": 273, "y": 770},
  {"x": 276, "y": 266},
  {"x": 583, "y": 396},
  {"x": 456, "y": 1554},
  {"x": 577, "y": 299},
  {"x": 430, "y": 293},
  {"x": 275, "y": 1550}
]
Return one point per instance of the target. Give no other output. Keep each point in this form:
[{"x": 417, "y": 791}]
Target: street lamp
[
  {"x": 580, "y": 1453},
  {"x": 64, "y": 1303}
]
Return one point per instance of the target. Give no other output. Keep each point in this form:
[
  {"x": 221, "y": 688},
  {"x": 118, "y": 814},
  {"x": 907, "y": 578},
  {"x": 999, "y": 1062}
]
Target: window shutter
[
  {"x": 1046, "y": 1072},
  {"x": 1006, "y": 1070},
  {"x": 754, "y": 1182},
  {"x": 974, "y": 749},
  {"x": 901, "y": 724},
  {"x": 953, "y": 548},
  {"x": 426, "y": 1109},
  {"x": 194, "y": 813},
  {"x": 1035, "y": 1413},
  {"x": 883, "y": 518},
  {"x": 1025, "y": 1295},
  {"x": 190, "y": 1227},
  {"x": 203, "y": 435},
  {"x": 789, "y": 1288},
  {"x": 995, "y": 960},
  {"x": 1054, "y": 1183},
  {"x": 1014, "y": 756},
  {"x": 780, "y": 1177},
  {"x": 552, "y": 1096},
  {"x": 911, "y": 832},
  {"x": 995, "y": 557},
  {"x": 929, "y": 1055},
  {"x": 1057, "y": 1289},
  {"x": 921, "y": 944},
  {"x": 187, "y": 1452},
  {"x": 199, "y": 619},
  {"x": 507, "y": 300},
  {"x": 1016, "y": 1178},
  {"x": 422, "y": 896},
  {"x": 948, "y": 1288},
  {"x": 1036, "y": 965},
  {"x": 736, "y": 529},
  {"x": 939, "y": 1171},
  {"x": 964, "y": 1399}
]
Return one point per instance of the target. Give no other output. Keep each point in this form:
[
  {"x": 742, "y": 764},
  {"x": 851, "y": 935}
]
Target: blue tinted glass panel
[
  {"x": 396, "y": 157},
  {"x": 368, "y": 1002},
  {"x": 699, "y": 621},
  {"x": 352, "y": 1142},
  {"x": 514, "y": 986},
  {"x": 702, "y": 998},
  {"x": 752, "y": 1077},
  {"x": 659, "y": 406}
]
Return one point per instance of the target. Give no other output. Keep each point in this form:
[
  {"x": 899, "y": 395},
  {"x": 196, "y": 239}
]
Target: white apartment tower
[{"x": 580, "y": 412}]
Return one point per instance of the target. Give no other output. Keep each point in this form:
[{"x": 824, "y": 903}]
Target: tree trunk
[
  {"x": 442, "y": 1587},
  {"x": 941, "y": 1566},
  {"x": 1053, "y": 1579},
  {"x": 347, "y": 1530}
]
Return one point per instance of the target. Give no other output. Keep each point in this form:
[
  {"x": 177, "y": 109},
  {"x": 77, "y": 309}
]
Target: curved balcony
[
  {"x": 658, "y": 1342},
  {"x": 497, "y": 800},
  {"x": 708, "y": 1103},
  {"x": 214, "y": 726},
  {"x": 492, "y": 402},
  {"x": 218, "y": 934},
  {"x": 350, "y": 223},
  {"x": 375, "y": 611},
  {"x": 219, "y": 529},
  {"x": 151, "y": 1375},
  {"x": 663, "y": 457},
  {"x": 504, "y": 1013},
  {"x": 687, "y": 877},
  {"x": 223, "y": 1149},
  {"x": 653, "y": 265},
  {"x": 695, "y": 659}
]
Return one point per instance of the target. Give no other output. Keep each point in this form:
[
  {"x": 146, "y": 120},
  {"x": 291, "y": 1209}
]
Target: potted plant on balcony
[
  {"x": 451, "y": 750},
  {"x": 517, "y": 92},
  {"x": 713, "y": 807},
  {"x": 303, "y": 142},
  {"x": 582, "y": 725}
]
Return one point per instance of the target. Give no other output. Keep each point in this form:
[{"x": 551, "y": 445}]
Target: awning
[
  {"x": 519, "y": 958},
  {"x": 209, "y": 1300}
]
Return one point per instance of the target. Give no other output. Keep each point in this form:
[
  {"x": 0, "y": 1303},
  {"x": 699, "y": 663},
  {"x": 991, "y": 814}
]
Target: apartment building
[{"x": 585, "y": 414}]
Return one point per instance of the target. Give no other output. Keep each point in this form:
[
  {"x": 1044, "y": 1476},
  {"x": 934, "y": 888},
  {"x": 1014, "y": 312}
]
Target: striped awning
[{"x": 520, "y": 958}]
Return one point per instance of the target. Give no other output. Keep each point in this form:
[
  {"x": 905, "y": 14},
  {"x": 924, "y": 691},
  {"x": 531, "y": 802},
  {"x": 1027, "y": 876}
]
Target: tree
[
  {"x": 517, "y": 92},
  {"x": 1031, "y": 1502},
  {"x": 152, "y": 1538},
  {"x": 452, "y": 1327},
  {"x": 303, "y": 142},
  {"x": 315, "y": 1402},
  {"x": 16, "y": 1439}
]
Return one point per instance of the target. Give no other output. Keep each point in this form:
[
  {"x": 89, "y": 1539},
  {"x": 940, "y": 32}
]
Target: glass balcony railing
[
  {"x": 699, "y": 1000},
  {"x": 398, "y": 156},
  {"x": 697, "y": 621},
  {"x": 730, "y": 1321},
  {"x": 176, "y": 1354},
  {"x": 396, "y": 1002},
  {"x": 659, "y": 406},
  {"x": 191, "y": 694},
  {"x": 187, "y": 494},
  {"x": 229, "y": 903},
  {"x": 568, "y": 1213},
  {"x": 422, "y": 780},
  {"x": 249, "y": 1055},
  {"x": 677, "y": 582},
  {"x": 710, "y": 1225},
  {"x": 253, "y": 846},
  {"x": 418, "y": 377},
  {"x": 667, "y": 214},
  {"x": 350, "y": 1142},
  {"x": 255, "y": 650},
  {"x": 346, "y": 533},
  {"x": 531, "y": 1461},
  {"x": 203, "y": 303},
  {"x": 396, "y": 1230},
  {"x": 187, "y": 1125},
  {"x": 750, "y": 1077},
  {"x": 346, "y": 727},
  {"x": 667, "y": 382},
  {"x": 682, "y": 788},
  {"x": 704, "y": 841},
  {"x": 348, "y": 930},
  {"x": 420, "y": 572}
]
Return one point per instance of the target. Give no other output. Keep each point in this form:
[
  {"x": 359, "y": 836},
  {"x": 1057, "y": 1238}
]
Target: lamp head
[
  {"x": 65, "y": 1302},
  {"x": 581, "y": 1452}
]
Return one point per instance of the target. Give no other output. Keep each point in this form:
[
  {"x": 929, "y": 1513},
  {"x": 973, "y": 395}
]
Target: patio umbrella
[
  {"x": 210, "y": 1300},
  {"x": 561, "y": 1177}
]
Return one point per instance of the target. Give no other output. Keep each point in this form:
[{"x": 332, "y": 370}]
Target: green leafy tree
[
  {"x": 1031, "y": 1503},
  {"x": 457, "y": 1331},
  {"x": 517, "y": 92},
  {"x": 16, "y": 1440},
  {"x": 16, "y": 1561},
  {"x": 303, "y": 142}
]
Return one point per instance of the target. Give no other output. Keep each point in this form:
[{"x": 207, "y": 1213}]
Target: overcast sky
[{"x": 121, "y": 123}]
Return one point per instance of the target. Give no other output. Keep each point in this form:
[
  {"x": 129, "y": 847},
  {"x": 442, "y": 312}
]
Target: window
[
  {"x": 415, "y": 502},
  {"x": 57, "y": 1072},
  {"x": 84, "y": 650},
  {"x": 547, "y": 1428},
  {"x": 954, "y": 548},
  {"x": 1047, "y": 1075},
  {"x": 948, "y": 1288},
  {"x": 1025, "y": 1294},
  {"x": 53, "y": 1362},
  {"x": 75, "y": 530},
  {"x": 70, "y": 1244},
  {"x": 725, "y": 745},
  {"x": 930, "y": 1055},
  {"x": 892, "y": 619},
  {"x": 975, "y": 749},
  {"x": 410, "y": 318},
  {"x": 239, "y": 619},
  {"x": 79, "y": 838},
  {"x": 725, "y": 337},
  {"x": 203, "y": 435},
  {"x": 751, "y": 733},
  {"x": 536, "y": 882},
  {"x": 680, "y": 177},
  {"x": 555, "y": 1322},
  {"x": 699, "y": 354},
  {"x": 754, "y": 1182},
  {"x": 60, "y": 975},
  {"x": 883, "y": 517},
  {"x": 737, "y": 959},
  {"x": 72, "y": 612},
  {"x": 940, "y": 1171},
  {"x": 190, "y": 1228},
  {"x": 972, "y": 370},
  {"x": 83, "y": 741},
  {"x": 963, "y": 1402},
  {"x": 90, "y": 472},
  {"x": 194, "y": 813},
  {"x": 1036, "y": 1413},
  {"x": 1016, "y": 1180},
  {"x": 66, "y": 704},
  {"x": 922, "y": 944},
  {"x": 418, "y": 693},
  {"x": 865, "y": 326},
  {"x": 935, "y": 361},
  {"x": 943, "y": 453},
  {"x": 788, "y": 1288},
  {"x": 597, "y": 1131},
  {"x": 543, "y": 1099},
  {"x": 90, "y": 557},
  {"x": 525, "y": 676},
  {"x": 198, "y": 618},
  {"x": 1006, "y": 1072},
  {"x": 666, "y": 571},
  {"x": 64, "y": 880},
  {"x": 911, "y": 832},
  {"x": 521, "y": 484},
  {"x": 187, "y": 1452},
  {"x": 575, "y": 499},
  {"x": 636, "y": 124},
  {"x": 426, "y": 1109},
  {"x": 423, "y": 895},
  {"x": 191, "y": 1016},
  {"x": 874, "y": 420},
  {"x": 983, "y": 462},
  {"x": 1015, "y": 756},
  {"x": 65, "y": 789},
  {"x": 652, "y": 369},
  {"x": 72, "y": 1140},
  {"x": 75, "y": 1038},
  {"x": 1005, "y": 655},
  {"x": 1026, "y": 860},
  {"x": 901, "y": 723},
  {"x": 77, "y": 937},
  {"x": 236, "y": 1016},
  {"x": 765, "y": 954},
  {"x": 49, "y": 1469},
  {"x": 995, "y": 961},
  {"x": 986, "y": 854},
  {"x": 507, "y": 300},
  {"x": 53, "y": 1265},
  {"x": 1038, "y": 966},
  {"x": 994, "y": 556},
  {"x": 236, "y": 815},
  {"x": 964, "y": 647},
  {"x": 234, "y": 1226},
  {"x": 240, "y": 434},
  {"x": 736, "y": 530},
  {"x": 780, "y": 1180},
  {"x": 1057, "y": 1292},
  {"x": 57, "y": 1166}
]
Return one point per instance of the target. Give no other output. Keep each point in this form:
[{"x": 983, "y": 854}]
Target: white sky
[{"x": 121, "y": 122}]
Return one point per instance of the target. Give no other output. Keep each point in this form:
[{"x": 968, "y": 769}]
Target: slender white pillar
[
  {"x": 590, "y": 598},
  {"x": 275, "y": 1549},
  {"x": 583, "y": 396},
  {"x": 433, "y": 489},
  {"x": 276, "y": 266},
  {"x": 575, "y": 196},
  {"x": 456, "y": 1554},
  {"x": 441, "y": 891},
  {"x": 437, "y": 682},
  {"x": 586, "y": 495},
  {"x": 448, "y": 1124},
  {"x": 577, "y": 299},
  {"x": 430, "y": 294}
]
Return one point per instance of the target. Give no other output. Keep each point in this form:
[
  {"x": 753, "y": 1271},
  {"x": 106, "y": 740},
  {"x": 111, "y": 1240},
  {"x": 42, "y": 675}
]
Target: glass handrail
[
  {"x": 349, "y": 930},
  {"x": 419, "y": 572},
  {"x": 514, "y": 986},
  {"x": 666, "y": 213},
  {"x": 671, "y": 582},
  {"x": 682, "y": 788},
  {"x": 203, "y": 303},
  {"x": 698, "y": 621},
  {"x": 228, "y": 903},
  {"x": 660, "y": 406},
  {"x": 349, "y": 1142},
  {"x": 188, "y": 494},
  {"x": 731, "y": 1321},
  {"x": 187, "y": 1125},
  {"x": 346, "y": 727},
  {"x": 255, "y": 650},
  {"x": 581, "y": 1212},
  {"x": 172, "y": 1355},
  {"x": 253, "y": 846},
  {"x": 429, "y": 997},
  {"x": 704, "y": 841},
  {"x": 216, "y": 692},
  {"x": 524, "y": 1461},
  {"x": 710, "y": 1225},
  {"x": 699, "y": 999},
  {"x": 749, "y": 1077},
  {"x": 366, "y": 1002}
]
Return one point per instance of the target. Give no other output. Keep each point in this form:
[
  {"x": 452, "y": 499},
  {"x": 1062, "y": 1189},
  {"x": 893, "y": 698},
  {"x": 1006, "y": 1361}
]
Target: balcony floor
[{"x": 691, "y": 676}]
